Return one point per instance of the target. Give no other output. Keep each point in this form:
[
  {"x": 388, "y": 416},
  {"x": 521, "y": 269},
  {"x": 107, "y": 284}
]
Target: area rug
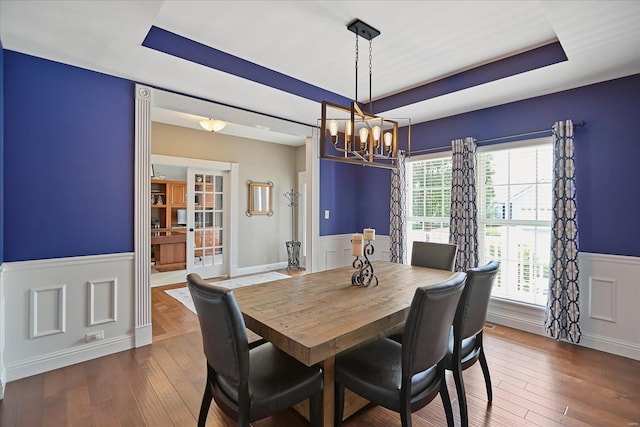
[{"x": 184, "y": 296}]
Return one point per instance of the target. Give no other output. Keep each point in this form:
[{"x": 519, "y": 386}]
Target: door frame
[
  {"x": 228, "y": 224},
  {"x": 231, "y": 169},
  {"x": 146, "y": 98}
]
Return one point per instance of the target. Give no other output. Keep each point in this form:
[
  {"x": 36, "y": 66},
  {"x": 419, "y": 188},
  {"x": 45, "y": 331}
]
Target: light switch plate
[{"x": 326, "y": 214}]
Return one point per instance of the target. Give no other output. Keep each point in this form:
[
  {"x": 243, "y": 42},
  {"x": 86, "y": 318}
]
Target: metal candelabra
[{"x": 364, "y": 276}]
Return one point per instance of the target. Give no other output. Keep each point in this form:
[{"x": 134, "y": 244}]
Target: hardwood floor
[{"x": 536, "y": 381}]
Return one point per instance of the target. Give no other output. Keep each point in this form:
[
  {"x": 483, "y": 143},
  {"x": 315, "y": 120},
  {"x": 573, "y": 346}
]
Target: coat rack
[{"x": 293, "y": 246}]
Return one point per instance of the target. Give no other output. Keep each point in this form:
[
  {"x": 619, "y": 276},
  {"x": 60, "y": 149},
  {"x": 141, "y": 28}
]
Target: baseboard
[
  {"x": 609, "y": 345},
  {"x": 3, "y": 382},
  {"x": 143, "y": 335},
  {"x": 48, "y": 362},
  {"x": 531, "y": 319},
  {"x": 260, "y": 268}
]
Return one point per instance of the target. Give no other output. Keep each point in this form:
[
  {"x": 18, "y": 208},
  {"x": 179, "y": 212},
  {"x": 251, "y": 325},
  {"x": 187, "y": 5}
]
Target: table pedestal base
[{"x": 352, "y": 404}]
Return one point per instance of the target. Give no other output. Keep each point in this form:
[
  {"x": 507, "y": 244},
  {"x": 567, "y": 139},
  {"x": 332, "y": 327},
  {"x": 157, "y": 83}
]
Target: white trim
[
  {"x": 60, "y": 307},
  {"x": 68, "y": 262},
  {"x": 617, "y": 337},
  {"x": 189, "y": 162},
  {"x": 611, "y": 345},
  {"x": 68, "y": 314},
  {"x": 313, "y": 201},
  {"x": 114, "y": 300},
  {"x": 593, "y": 310},
  {"x": 521, "y": 143},
  {"x": 69, "y": 356},
  {"x": 429, "y": 156},
  {"x": 3, "y": 370},
  {"x": 261, "y": 268},
  {"x": 142, "y": 212}
]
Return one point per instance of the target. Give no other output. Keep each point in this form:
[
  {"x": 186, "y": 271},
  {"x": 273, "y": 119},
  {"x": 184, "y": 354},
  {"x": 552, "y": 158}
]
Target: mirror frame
[{"x": 255, "y": 206}]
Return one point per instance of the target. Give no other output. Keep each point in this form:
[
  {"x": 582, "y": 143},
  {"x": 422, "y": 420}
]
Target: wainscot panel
[
  {"x": 609, "y": 301},
  {"x": 65, "y": 311},
  {"x": 335, "y": 251}
]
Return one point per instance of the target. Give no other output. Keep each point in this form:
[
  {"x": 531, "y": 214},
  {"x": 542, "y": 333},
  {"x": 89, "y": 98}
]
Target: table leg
[{"x": 328, "y": 371}]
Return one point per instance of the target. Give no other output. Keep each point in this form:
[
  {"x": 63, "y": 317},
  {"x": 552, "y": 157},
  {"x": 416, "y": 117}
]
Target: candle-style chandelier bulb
[
  {"x": 333, "y": 130},
  {"x": 364, "y": 135},
  {"x": 376, "y": 130},
  {"x": 388, "y": 139}
]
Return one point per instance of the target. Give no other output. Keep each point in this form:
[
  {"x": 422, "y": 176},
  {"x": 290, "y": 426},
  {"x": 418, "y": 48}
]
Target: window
[
  {"x": 514, "y": 212},
  {"x": 429, "y": 199},
  {"x": 514, "y": 218}
]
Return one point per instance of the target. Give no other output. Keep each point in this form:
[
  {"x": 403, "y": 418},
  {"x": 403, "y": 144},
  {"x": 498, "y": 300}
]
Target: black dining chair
[
  {"x": 247, "y": 384},
  {"x": 431, "y": 255},
  {"x": 465, "y": 341},
  {"x": 405, "y": 377},
  {"x": 434, "y": 255}
]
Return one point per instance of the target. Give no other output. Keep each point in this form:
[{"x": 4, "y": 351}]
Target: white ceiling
[{"x": 421, "y": 41}]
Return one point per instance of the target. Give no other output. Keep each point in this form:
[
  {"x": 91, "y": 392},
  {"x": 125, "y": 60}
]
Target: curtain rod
[{"x": 579, "y": 124}]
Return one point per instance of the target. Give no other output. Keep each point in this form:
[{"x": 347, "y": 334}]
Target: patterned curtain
[
  {"x": 463, "y": 223},
  {"x": 563, "y": 309},
  {"x": 398, "y": 215}
]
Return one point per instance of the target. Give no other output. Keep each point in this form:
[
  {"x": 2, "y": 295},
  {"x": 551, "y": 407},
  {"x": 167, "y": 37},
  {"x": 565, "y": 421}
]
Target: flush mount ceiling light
[
  {"x": 212, "y": 125},
  {"x": 348, "y": 134}
]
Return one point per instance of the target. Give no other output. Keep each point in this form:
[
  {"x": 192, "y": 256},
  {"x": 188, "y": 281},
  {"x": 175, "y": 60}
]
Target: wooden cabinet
[
  {"x": 167, "y": 235},
  {"x": 178, "y": 194},
  {"x": 166, "y": 198}
]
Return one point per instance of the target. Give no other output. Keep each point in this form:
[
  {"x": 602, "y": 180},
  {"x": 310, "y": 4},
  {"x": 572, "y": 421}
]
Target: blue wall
[
  {"x": 2, "y": 203},
  {"x": 68, "y": 160},
  {"x": 607, "y": 155},
  {"x": 357, "y": 197},
  {"x": 69, "y": 152}
]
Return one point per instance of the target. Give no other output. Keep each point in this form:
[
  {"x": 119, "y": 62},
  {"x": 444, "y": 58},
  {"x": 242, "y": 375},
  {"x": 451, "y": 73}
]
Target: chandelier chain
[
  {"x": 370, "y": 75},
  {"x": 357, "y": 52}
]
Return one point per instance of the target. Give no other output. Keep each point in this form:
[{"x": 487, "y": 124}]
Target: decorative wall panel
[
  {"x": 47, "y": 311},
  {"x": 103, "y": 301},
  {"x": 602, "y": 304}
]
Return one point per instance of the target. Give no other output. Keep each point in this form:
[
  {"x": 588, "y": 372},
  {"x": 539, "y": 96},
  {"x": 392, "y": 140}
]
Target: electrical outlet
[{"x": 94, "y": 336}]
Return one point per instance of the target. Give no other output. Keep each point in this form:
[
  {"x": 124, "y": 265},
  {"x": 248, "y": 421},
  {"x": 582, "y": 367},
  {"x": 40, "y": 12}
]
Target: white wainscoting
[
  {"x": 65, "y": 311},
  {"x": 335, "y": 251},
  {"x": 609, "y": 306},
  {"x": 3, "y": 370}
]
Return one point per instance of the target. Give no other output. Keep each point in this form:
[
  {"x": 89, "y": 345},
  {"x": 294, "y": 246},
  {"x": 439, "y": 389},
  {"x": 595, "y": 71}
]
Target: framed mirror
[{"x": 260, "y": 198}]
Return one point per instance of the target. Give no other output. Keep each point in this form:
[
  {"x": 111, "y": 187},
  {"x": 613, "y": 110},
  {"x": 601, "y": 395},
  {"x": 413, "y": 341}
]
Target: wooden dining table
[{"x": 314, "y": 317}]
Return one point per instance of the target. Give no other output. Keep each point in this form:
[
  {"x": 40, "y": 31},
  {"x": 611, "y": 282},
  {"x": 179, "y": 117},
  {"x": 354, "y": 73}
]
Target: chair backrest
[
  {"x": 224, "y": 336},
  {"x": 472, "y": 309},
  {"x": 426, "y": 334},
  {"x": 434, "y": 255}
]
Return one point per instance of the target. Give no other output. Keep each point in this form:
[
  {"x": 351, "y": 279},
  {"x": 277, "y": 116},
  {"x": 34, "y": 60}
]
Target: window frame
[
  {"x": 482, "y": 221},
  {"x": 447, "y": 154}
]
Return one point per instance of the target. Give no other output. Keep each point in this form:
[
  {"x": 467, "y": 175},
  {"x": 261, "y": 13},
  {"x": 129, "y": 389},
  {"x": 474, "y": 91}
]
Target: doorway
[{"x": 208, "y": 214}]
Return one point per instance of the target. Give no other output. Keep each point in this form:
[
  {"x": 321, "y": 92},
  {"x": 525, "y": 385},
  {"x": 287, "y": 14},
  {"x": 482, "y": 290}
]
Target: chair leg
[
  {"x": 206, "y": 403},
  {"x": 446, "y": 401},
  {"x": 338, "y": 405},
  {"x": 485, "y": 372},
  {"x": 462, "y": 398},
  {"x": 405, "y": 410},
  {"x": 315, "y": 409}
]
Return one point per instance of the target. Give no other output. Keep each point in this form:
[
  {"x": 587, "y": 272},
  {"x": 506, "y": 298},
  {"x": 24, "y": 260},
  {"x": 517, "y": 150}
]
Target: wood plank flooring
[{"x": 536, "y": 381}]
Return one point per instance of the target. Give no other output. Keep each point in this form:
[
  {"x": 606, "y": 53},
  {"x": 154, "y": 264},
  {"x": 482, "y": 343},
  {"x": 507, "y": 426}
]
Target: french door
[{"x": 207, "y": 221}]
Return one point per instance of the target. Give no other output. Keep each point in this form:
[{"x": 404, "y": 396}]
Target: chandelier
[{"x": 349, "y": 134}]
